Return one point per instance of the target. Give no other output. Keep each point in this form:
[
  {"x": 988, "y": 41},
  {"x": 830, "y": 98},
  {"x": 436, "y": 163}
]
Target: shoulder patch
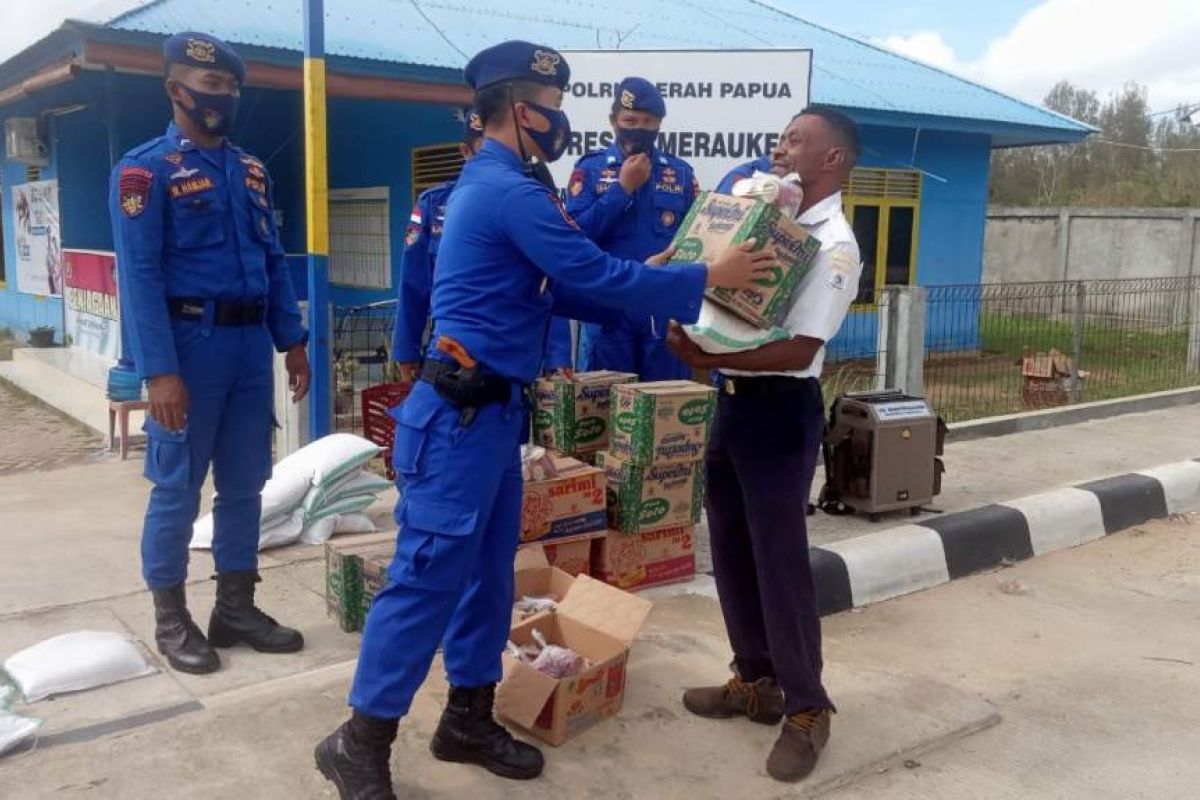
[
  {"x": 575, "y": 185},
  {"x": 133, "y": 189}
]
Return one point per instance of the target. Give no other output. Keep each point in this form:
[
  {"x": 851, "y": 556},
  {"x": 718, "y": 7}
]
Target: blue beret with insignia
[
  {"x": 518, "y": 61},
  {"x": 472, "y": 124},
  {"x": 202, "y": 50},
  {"x": 639, "y": 94}
]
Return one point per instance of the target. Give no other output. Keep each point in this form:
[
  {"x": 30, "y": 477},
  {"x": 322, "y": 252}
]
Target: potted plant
[{"x": 41, "y": 336}]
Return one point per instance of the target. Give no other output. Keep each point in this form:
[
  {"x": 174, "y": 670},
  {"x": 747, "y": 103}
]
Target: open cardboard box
[{"x": 599, "y": 623}]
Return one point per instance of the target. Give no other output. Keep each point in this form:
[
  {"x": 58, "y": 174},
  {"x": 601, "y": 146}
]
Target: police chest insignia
[
  {"x": 174, "y": 158},
  {"x": 202, "y": 50},
  {"x": 668, "y": 175},
  {"x": 190, "y": 186},
  {"x": 575, "y": 187},
  {"x": 133, "y": 188},
  {"x": 626, "y": 99},
  {"x": 545, "y": 63},
  {"x": 667, "y": 218}
]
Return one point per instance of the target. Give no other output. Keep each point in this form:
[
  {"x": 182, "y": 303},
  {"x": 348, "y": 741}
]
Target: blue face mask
[
  {"x": 636, "y": 140},
  {"x": 214, "y": 113},
  {"x": 553, "y": 142}
]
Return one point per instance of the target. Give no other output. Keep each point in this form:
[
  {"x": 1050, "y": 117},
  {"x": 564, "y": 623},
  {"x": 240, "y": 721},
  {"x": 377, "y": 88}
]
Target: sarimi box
[
  {"x": 654, "y": 496},
  {"x": 598, "y": 622},
  {"x": 572, "y": 416},
  {"x": 344, "y": 559},
  {"x": 570, "y": 504},
  {"x": 661, "y": 421},
  {"x": 573, "y": 556},
  {"x": 717, "y": 221},
  {"x": 641, "y": 560}
]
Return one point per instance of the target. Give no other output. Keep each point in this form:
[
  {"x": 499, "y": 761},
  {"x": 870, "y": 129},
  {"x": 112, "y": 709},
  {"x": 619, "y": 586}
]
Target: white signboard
[
  {"x": 724, "y": 108},
  {"x": 38, "y": 238}
]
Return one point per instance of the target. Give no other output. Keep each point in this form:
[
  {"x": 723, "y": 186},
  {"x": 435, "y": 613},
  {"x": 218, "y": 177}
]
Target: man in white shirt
[{"x": 760, "y": 466}]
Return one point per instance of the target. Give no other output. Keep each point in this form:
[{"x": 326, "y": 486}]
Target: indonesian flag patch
[
  {"x": 413, "y": 232},
  {"x": 133, "y": 189}
]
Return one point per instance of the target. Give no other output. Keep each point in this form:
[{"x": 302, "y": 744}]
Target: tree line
[{"x": 1133, "y": 160}]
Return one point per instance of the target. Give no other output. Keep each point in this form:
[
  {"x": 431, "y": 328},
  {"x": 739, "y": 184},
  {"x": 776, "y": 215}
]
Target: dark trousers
[{"x": 760, "y": 469}]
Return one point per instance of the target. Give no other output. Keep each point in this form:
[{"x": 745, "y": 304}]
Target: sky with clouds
[{"x": 1019, "y": 46}]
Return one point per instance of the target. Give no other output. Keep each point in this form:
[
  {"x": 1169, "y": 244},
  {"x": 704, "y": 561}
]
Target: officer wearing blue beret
[
  {"x": 206, "y": 297},
  {"x": 421, "y": 241},
  {"x": 631, "y": 199},
  {"x": 510, "y": 256},
  {"x": 422, "y": 238}
]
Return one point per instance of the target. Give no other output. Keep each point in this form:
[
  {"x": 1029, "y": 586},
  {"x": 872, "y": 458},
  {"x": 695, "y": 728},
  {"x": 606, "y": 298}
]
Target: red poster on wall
[{"x": 91, "y": 307}]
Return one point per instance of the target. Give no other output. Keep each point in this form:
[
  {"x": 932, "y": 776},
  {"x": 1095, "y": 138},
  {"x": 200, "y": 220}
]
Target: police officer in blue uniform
[
  {"x": 630, "y": 199},
  {"x": 206, "y": 294},
  {"x": 422, "y": 238},
  {"x": 421, "y": 241},
  {"x": 509, "y": 257},
  {"x": 747, "y": 170}
]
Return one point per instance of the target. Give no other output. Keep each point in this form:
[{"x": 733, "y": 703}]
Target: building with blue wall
[{"x": 917, "y": 203}]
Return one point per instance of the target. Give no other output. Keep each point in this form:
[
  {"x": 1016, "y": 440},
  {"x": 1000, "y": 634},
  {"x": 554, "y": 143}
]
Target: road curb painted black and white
[{"x": 896, "y": 561}]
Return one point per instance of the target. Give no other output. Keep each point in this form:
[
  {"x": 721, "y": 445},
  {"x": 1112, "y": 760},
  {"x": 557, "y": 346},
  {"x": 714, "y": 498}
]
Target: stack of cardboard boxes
[
  {"x": 655, "y": 473},
  {"x": 567, "y": 512}
]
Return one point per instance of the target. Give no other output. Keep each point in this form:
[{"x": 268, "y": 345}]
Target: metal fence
[
  {"x": 1113, "y": 338},
  {"x": 1005, "y": 348},
  {"x": 362, "y": 343}
]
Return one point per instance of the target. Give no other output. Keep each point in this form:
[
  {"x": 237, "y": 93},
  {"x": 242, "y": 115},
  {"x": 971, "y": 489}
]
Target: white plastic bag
[
  {"x": 15, "y": 729},
  {"x": 718, "y": 331},
  {"x": 784, "y": 193},
  {"x": 73, "y": 662},
  {"x": 330, "y": 458}
]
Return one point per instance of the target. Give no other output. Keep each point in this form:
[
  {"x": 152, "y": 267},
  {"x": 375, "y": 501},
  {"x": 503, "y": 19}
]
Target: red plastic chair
[{"x": 378, "y": 426}]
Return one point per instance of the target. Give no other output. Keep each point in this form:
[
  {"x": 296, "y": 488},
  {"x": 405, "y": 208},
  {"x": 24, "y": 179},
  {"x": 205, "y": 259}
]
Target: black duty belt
[
  {"x": 466, "y": 389},
  {"x": 746, "y": 385},
  {"x": 225, "y": 312}
]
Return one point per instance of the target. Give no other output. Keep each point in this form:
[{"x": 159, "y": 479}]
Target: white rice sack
[
  {"x": 284, "y": 532},
  {"x": 357, "y": 484},
  {"x": 330, "y": 458},
  {"x": 277, "y": 532},
  {"x": 319, "y": 531},
  {"x": 73, "y": 662},
  {"x": 347, "y": 505},
  {"x": 15, "y": 729},
  {"x": 354, "y": 523},
  {"x": 719, "y": 331},
  {"x": 283, "y": 493}
]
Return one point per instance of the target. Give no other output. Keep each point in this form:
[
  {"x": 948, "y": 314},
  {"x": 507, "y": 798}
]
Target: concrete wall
[{"x": 1051, "y": 244}]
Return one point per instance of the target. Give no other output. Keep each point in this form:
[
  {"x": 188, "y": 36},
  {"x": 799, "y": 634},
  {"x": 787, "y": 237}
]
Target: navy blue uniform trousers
[
  {"x": 759, "y": 471},
  {"x": 451, "y": 581}
]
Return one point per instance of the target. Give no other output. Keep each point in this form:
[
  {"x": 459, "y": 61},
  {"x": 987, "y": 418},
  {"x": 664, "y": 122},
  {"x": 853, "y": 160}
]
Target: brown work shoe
[
  {"x": 761, "y": 701},
  {"x": 800, "y": 743}
]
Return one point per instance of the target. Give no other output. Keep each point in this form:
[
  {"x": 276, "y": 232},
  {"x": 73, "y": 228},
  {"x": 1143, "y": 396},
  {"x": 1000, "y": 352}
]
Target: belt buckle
[
  {"x": 191, "y": 309},
  {"x": 730, "y": 386}
]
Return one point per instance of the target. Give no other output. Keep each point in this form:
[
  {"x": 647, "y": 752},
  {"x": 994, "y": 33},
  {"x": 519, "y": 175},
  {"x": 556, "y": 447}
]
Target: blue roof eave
[{"x": 1004, "y": 134}]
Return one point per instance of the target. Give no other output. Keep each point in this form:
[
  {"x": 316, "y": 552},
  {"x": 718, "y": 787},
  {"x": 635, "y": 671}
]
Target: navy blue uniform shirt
[
  {"x": 189, "y": 223},
  {"x": 511, "y": 254}
]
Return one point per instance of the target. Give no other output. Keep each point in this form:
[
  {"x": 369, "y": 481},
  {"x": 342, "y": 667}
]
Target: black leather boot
[
  {"x": 236, "y": 620},
  {"x": 177, "y": 635},
  {"x": 469, "y": 734},
  {"x": 355, "y": 757}
]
